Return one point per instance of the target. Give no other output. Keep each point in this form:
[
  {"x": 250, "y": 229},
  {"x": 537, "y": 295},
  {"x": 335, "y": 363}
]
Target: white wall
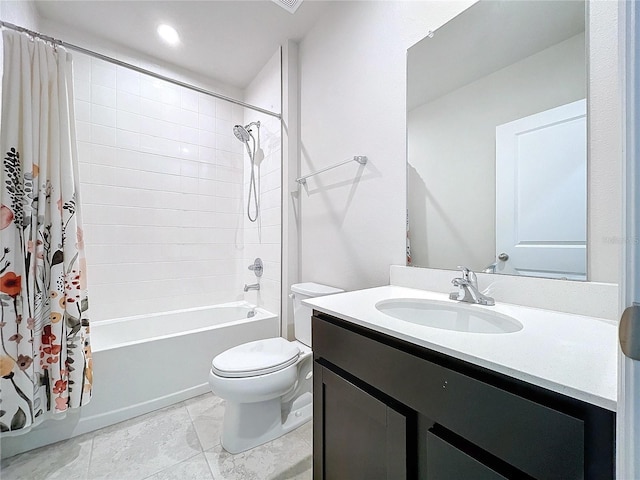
[
  {"x": 452, "y": 138},
  {"x": 263, "y": 237},
  {"x": 353, "y": 84},
  {"x": 604, "y": 234}
]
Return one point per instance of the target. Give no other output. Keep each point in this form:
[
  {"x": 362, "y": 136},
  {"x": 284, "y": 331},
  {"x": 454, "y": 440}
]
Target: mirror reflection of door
[{"x": 541, "y": 207}]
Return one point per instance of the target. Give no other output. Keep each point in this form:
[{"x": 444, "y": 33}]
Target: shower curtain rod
[{"x": 120, "y": 63}]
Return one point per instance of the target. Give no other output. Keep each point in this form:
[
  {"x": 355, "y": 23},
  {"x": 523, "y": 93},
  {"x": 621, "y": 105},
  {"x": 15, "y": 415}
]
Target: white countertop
[{"x": 569, "y": 354}]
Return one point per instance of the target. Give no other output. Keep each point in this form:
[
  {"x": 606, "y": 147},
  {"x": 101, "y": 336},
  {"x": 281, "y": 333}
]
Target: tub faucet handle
[{"x": 257, "y": 267}]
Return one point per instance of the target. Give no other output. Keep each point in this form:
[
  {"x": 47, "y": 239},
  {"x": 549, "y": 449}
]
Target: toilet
[{"x": 267, "y": 384}]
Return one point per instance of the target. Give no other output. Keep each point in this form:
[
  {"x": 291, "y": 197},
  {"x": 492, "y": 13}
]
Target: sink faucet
[
  {"x": 468, "y": 289},
  {"x": 253, "y": 286}
]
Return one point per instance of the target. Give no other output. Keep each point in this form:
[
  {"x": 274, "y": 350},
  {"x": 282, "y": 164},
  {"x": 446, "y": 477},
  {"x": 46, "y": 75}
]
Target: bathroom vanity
[{"x": 394, "y": 399}]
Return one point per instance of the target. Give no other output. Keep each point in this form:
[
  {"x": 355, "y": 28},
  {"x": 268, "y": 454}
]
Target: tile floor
[{"x": 180, "y": 442}]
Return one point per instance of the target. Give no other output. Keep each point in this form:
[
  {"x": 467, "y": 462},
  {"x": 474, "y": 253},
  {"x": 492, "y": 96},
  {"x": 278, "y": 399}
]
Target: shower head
[
  {"x": 244, "y": 133},
  {"x": 241, "y": 133}
]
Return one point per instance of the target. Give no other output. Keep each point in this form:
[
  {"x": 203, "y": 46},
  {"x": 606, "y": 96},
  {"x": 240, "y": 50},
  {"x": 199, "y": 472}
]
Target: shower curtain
[{"x": 45, "y": 354}]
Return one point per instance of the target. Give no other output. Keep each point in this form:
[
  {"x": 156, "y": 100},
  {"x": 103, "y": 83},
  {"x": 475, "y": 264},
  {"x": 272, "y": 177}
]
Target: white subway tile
[
  {"x": 151, "y": 108},
  {"x": 238, "y": 147},
  {"x": 189, "y": 100},
  {"x": 228, "y": 174},
  {"x": 129, "y": 121},
  {"x": 205, "y": 122},
  {"x": 160, "y": 164},
  {"x": 84, "y": 152},
  {"x": 171, "y": 113},
  {"x": 188, "y": 151},
  {"x": 207, "y": 171},
  {"x": 103, "y": 135},
  {"x": 188, "y": 135},
  {"x": 207, "y": 139},
  {"x": 206, "y": 203},
  {"x": 227, "y": 220},
  {"x": 101, "y": 95},
  {"x": 207, "y": 187},
  {"x": 84, "y": 172},
  {"x": 128, "y": 159},
  {"x": 271, "y": 199},
  {"x": 206, "y": 154},
  {"x": 127, "y": 140},
  {"x": 104, "y": 116},
  {"x": 81, "y": 68},
  {"x": 224, "y": 127},
  {"x": 207, "y": 105},
  {"x": 270, "y": 181},
  {"x": 229, "y": 205},
  {"x": 223, "y": 109},
  {"x": 271, "y": 216},
  {"x": 102, "y": 155},
  {"x": 188, "y": 118},
  {"x": 128, "y": 102},
  {"x": 104, "y": 175},
  {"x": 188, "y": 185},
  {"x": 223, "y": 142},
  {"x": 103, "y": 74},
  {"x": 170, "y": 95},
  {"x": 83, "y": 110},
  {"x": 151, "y": 88},
  {"x": 271, "y": 234},
  {"x": 127, "y": 81},
  {"x": 228, "y": 190},
  {"x": 82, "y": 90},
  {"x": 83, "y": 131}
]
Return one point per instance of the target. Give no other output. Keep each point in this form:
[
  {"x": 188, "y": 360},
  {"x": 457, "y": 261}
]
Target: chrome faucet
[
  {"x": 468, "y": 289},
  {"x": 253, "y": 286}
]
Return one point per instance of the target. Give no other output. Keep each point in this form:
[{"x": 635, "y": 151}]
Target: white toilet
[{"x": 267, "y": 383}]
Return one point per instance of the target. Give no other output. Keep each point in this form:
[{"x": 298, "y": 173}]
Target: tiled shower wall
[
  {"x": 161, "y": 182},
  {"x": 263, "y": 237}
]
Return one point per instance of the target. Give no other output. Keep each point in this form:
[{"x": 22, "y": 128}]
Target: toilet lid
[{"x": 255, "y": 358}]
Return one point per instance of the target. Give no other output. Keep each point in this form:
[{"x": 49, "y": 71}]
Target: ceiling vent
[{"x": 289, "y": 5}]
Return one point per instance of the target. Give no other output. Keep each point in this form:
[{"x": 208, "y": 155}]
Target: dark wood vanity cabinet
[{"x": 388, "y": 409}]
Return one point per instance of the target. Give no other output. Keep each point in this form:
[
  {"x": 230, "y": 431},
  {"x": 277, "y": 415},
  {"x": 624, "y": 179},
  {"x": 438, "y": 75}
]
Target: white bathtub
[{"x": 147, "y": 362}]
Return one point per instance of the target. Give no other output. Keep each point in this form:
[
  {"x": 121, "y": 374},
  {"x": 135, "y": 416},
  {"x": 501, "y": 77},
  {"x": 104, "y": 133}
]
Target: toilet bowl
[{"x": 267, "y": 384}]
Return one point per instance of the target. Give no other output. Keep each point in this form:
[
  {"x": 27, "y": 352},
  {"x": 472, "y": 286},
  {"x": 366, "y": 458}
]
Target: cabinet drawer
[
  {"x": 446, "y": 462},
  {"x": 523, "y": 433}
]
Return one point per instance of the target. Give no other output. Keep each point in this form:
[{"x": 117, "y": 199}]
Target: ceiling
[{"x": 229, "y": 41}]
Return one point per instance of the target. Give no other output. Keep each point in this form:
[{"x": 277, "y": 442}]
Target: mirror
[{"x": 497, "y": 141}]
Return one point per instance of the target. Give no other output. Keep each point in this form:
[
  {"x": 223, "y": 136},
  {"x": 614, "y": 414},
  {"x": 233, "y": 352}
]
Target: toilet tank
[{"x": 301, "y": 313}]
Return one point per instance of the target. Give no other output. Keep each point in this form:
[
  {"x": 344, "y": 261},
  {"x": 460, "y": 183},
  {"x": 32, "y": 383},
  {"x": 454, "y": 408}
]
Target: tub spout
[{"x": 253, "y": 286}]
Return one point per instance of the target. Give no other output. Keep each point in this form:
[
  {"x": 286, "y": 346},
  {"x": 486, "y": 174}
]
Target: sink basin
[{"x": 448, "y": 316}]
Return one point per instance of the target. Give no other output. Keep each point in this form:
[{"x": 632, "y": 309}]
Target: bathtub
[{"x": 146, "y": 362}]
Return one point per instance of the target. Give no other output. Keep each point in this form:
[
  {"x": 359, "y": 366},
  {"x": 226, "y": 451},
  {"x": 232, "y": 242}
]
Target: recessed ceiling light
[{"x": 168, "y": 34}]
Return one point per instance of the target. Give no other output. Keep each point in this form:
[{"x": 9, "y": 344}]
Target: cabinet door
[
  {"x": 360, "y": 436},
  {"x": 446, "y": 462}
]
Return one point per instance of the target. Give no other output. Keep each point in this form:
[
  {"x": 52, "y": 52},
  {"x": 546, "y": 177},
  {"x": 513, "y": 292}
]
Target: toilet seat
[{"x": 255, "y": 358}]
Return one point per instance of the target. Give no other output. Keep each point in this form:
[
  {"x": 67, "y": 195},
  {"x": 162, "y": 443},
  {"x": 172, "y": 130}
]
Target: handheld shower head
[
  {"x": 244, "y": 134},
  {"x": 241, "y": 133}
]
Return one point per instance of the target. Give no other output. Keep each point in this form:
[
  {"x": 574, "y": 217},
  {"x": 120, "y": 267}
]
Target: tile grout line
[{"x": 93, "y": 437}]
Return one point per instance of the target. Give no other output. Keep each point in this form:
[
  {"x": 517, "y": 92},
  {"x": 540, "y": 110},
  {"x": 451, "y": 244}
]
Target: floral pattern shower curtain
[{"x": 45, "y": 354}]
